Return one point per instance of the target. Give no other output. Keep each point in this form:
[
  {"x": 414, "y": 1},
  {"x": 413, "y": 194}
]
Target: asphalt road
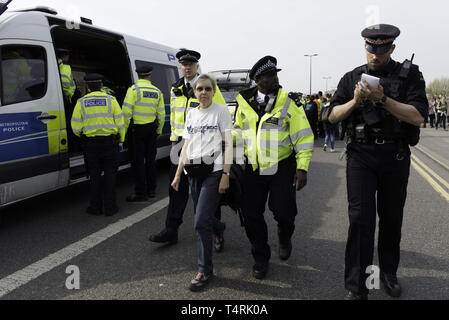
[{"x": 123, "y": 264}]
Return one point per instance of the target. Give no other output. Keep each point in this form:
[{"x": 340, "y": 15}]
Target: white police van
[{"x": 38, "y": 151}]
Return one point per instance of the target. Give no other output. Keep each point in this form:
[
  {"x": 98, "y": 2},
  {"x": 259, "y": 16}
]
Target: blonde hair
[{"x": 203, "y": 77}]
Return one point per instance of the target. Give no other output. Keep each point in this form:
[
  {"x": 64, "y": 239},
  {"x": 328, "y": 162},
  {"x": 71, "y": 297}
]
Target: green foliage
[{"x": 438, "y": 86}]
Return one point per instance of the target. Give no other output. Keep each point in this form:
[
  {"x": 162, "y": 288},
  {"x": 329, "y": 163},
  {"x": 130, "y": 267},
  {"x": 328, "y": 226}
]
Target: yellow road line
[
  {"x": 433, "y": 173},
  {"x": 430, "y": 180}
]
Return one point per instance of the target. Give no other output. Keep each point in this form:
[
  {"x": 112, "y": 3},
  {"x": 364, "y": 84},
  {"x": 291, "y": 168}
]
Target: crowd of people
[
  {"x": 437, "y": 112},
  {"x": 315, "y": 106}
]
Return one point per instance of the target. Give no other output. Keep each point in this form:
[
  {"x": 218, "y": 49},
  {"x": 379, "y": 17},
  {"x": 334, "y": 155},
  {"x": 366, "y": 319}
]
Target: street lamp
[
  {"x": 310, "y": 56},
  {"x": 327, "y": 78}
]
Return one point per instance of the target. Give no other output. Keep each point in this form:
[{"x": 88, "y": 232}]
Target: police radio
[{"x": 406, "y": 67}]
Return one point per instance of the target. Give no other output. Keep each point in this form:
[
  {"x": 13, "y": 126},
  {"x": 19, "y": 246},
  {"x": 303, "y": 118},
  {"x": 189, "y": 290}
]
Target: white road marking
[{"x": 33, "y": 271}]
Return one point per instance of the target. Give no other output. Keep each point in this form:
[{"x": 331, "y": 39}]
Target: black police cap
[
  {"x": 62, "y": 51},
  {"x": 93, "y": 77},
  {"x": 188, "y": 55},
  {"x": 264, "y": 65},
  {"x": 379, "y": 38},
  {"x": 144, "y": 70}
]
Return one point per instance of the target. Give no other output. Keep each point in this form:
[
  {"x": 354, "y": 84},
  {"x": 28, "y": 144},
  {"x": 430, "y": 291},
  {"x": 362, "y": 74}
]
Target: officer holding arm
[
  {"x": 380, "y": 123},
  {"x": 278, "y": 145},
  {"x": 98, "y": 120}
]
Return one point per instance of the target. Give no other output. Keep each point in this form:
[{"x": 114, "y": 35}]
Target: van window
[
  {"x": 163, "y": 76},
  {"x": 23, "y": 73}
]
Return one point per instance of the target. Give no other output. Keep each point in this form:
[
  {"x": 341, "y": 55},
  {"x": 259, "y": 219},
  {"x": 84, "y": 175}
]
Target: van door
[{"x": 33, "y": 138}]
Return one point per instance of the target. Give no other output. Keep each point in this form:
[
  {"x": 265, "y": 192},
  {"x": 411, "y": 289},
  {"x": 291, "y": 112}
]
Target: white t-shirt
[{"x": 204, "y": 128}]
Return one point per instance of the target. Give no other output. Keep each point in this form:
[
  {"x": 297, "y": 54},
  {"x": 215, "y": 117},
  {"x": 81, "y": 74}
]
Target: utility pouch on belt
[{"x": 198, "y": 168}]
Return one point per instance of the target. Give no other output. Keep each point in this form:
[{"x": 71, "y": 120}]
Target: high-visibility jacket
[
  {"x": 108, "y": 90},
  {"x": 276, "y": 135},
  {"x": 68, "y": 85},
  {"x": 98, "y": 114},
  {"x": 180, "y": 105},
  {"x": 144, "y": 103}
]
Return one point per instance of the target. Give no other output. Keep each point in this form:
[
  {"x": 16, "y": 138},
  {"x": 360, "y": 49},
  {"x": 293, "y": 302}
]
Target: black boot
[
  {"x": 391, "y": 284},
  {"x": 166, "y": 235}
]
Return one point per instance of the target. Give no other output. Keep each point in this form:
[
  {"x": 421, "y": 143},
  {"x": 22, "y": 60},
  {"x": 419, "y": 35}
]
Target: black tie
[{"x": 189, "y": 90}]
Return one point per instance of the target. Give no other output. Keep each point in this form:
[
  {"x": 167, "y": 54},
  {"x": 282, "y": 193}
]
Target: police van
[
  {"x": 231, "y": 82},
  {"x": 38, "y": 151}
]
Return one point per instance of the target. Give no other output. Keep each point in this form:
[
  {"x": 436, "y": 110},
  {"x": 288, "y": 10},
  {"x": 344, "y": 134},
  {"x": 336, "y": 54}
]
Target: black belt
[
  {"x": 375, "y": 141},
  {"x": 110, "y": 138}
]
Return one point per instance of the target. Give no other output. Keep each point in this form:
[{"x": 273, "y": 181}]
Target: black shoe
[
  {"x": 111, "y": 212},
  {"x": 136, "y": 198},
  {"x": 391, "y": 284},
  {"x": 93, "y": 211},
  {"x": 260, "y": 270},
  {"x": 219, "y": 241},
  {"x": 285, "y": 250},
  {"x": 166, "y": 235},
  {"x": 354, "y": 296},
  {"x": 199, "y": 281}
]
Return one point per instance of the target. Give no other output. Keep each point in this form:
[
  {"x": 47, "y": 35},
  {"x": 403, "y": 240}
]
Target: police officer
[
  {"x": 68, "y": 84},
  {"x": 278, "y": 145},
  {"x": 182, "y": 100},
  {"x": 144, "y": 104},
  {"x": 98, "y": 119},
  {"x": 381, "y": 123}
]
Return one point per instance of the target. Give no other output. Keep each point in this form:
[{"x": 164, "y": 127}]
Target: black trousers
[
  {"x": 374, "y": 169},
  {"x": 178, "y": 201},
  {"x": 144, "y": 157},
  {"x": 278, "y": 189},
  {"x": 102, "y": 155},
  {"x": 441, "y": 117},
  {"x": 432, "y": 120}
]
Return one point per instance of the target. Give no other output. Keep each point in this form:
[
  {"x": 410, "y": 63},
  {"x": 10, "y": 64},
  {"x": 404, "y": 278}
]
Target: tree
[{"x": 438, "y": 86}]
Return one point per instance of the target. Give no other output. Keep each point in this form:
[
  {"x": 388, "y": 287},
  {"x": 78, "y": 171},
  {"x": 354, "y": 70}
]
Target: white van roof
[{"x": 32, "y": 24}]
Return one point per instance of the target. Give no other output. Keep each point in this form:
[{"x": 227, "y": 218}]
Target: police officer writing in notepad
[
  {"x": 98, "y": 119},
  {"x": 144, "y": 104},
  {"x": 381, "y": 123}
]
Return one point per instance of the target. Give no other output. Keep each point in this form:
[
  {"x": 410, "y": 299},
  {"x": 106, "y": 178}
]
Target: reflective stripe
[
  {"x": 284, "y": 111},
  {"x": 77, "y": 120},
  {"x": 118, "y": 116},
  {"x": 144, "y": 114},
  {"x": 101, "y": 126},
  {"x": 245, "y": 126},
  {"x": 304, "y": 146},
  {"x": 128, "y": 115},
  {"x": 76, "y": 130},
  {"x": 98, "y": 115},
  {"x": 179, "y": 126},
  {"x": 127, "y": 105},
  {"x": 142, "y": 104},
  {"x": 270, "y": 127},
  {"x": 178, "y": 109},
  {"x": 301, "y": 133}
]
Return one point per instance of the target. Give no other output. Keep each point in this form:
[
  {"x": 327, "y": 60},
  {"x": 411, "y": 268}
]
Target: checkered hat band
[{"x": 264, "y": 67}]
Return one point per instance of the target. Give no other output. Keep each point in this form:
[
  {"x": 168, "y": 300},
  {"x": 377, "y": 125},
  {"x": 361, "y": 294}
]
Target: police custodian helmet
[{"x": 264, "y": 65}]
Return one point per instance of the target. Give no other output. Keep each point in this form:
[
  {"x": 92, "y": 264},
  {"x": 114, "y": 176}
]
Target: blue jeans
[
  {"x": 329, "y": 129},
  {"x": 206, "y": 198}
]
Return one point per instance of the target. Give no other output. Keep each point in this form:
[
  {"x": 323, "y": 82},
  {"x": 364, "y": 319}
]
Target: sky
[{"x": 235, "y": 34}]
